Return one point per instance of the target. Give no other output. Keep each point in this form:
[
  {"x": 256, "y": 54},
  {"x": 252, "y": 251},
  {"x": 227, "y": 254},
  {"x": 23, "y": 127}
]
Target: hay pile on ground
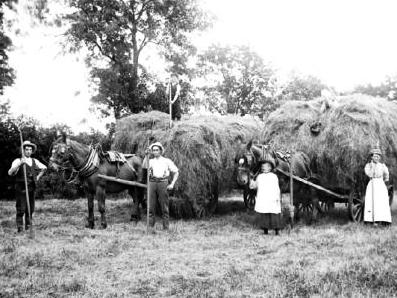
[
  {"x": 347, "y": 129},
  {"x": 202, "y": 147}
]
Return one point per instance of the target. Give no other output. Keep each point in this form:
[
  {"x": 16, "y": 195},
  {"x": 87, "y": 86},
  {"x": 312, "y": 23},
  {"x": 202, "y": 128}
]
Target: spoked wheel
[
  {"x": 305, "y": 210},
  {"x": 250, "y": 199},
  {"x": 356, "y": 207},
  {"x": 326, "y": 206}
]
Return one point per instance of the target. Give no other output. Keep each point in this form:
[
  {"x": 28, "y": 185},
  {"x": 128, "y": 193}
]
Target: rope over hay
[{"x": 202, "y": 147}]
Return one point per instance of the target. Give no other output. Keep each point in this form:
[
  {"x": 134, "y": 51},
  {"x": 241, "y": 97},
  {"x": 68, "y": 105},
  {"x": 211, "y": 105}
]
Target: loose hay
[
  {"x": 202, "y": 147},
  {"x": 342, "y": 136}
]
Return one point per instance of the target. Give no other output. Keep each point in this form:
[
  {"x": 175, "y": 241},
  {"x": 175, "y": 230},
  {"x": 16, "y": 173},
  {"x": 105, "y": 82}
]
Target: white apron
[
  {"x": 381, "y": 210},
  {"x": 268, "y": 198}
]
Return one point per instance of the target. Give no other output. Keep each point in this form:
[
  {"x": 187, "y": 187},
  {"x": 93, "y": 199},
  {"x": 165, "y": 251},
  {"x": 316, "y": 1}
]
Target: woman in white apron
[
  {"x": 377, "y": 209},
  {"x": 268, "y": 198}
]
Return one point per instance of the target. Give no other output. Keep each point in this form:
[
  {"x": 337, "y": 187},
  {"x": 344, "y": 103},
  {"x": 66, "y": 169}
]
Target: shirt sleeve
[
  {"x": 368, "y": 169},
  {"x": 385, "y": 173},
  {"x": 39, "y": 165},
  {"x": 171, "y": 166},
  {"x": 14, "y": 165}
]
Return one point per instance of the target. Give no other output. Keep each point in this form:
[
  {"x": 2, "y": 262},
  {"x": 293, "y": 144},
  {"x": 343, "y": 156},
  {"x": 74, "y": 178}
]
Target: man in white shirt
[
  {"x": 160, "y": 170},
  {"x": 32, "y": 165}
]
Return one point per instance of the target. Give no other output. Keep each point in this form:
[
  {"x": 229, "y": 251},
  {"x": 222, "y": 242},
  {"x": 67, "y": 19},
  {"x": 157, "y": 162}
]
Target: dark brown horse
[
  {"x": 88, "y": 162},
  {"x": 248, "y": 162}
]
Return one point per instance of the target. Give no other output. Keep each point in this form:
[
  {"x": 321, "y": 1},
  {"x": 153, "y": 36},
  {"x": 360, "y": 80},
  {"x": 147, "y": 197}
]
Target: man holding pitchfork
[{"x": 25, "y": 171}]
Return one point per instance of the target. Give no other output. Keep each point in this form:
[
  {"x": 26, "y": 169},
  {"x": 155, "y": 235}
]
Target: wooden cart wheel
[
  {"x": 305, "y": 210},
  {"x": 356, "y": 207},
  {"x": 326, "y": 206},
  {"x": 249, "y": 199}
]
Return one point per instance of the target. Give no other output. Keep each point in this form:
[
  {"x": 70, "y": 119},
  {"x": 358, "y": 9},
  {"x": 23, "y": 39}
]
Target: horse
[
  {"x": 248, "y": 160},
  {"x": 88, "y": 162}
]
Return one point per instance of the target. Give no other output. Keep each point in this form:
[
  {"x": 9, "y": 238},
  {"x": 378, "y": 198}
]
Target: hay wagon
[{"x": 352, "y": 197}]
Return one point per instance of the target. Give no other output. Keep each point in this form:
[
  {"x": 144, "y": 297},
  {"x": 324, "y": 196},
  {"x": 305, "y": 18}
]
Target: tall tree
[
  {"x": 7, "y": 75},
  {"x": 120, "y": 30},
  {"x": 241, "y": 81},
  {"x": 300, "y": 87}
]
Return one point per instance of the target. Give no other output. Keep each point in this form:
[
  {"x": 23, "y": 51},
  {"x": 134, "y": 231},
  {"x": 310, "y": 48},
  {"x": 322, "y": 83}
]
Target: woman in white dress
[
  {"x": 268, "y": 198},
  {"x": 376, "y": 208}
]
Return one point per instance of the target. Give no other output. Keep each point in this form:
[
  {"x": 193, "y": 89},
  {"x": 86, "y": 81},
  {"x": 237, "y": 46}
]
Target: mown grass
[{"x": 222, "y": 256}]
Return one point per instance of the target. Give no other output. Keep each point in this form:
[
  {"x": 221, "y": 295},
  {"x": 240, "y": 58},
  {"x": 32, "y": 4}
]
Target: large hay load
[
  {"x": 202, "y": 147},
  {"x": 337, "y": 135}
]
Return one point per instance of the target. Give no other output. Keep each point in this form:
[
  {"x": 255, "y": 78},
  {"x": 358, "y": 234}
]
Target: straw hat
[
  {"x": 376, "y": 150},
  {"x": 157, "y": 144},
  {"x": 29, "y": 144}
]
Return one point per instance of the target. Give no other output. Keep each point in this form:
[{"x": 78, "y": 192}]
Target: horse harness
[{"x": 90, "y": 165}]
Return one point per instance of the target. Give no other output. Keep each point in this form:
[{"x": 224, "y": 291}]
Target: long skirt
[
  {"x": 379, "y": 199},
  {"x": 269, "y": 221}
]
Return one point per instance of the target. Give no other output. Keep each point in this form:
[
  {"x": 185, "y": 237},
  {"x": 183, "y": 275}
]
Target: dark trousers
[
  {"x": 158, "y": 194},
  {"x": 21, "y": 205}
]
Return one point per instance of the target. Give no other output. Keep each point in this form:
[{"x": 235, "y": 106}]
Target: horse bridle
[{"x": 64, "y": 165}]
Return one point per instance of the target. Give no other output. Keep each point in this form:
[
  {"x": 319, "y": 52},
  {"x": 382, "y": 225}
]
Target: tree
[
  {"x": 7, "y": 75},
  {"x": 301, "y": 87},
  {"x": 386, "y": 89},
  {"x": 120, "y": 30},
  {"x": 241, "y": 81}
]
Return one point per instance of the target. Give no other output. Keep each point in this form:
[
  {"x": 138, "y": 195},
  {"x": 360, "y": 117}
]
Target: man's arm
[
  {"x": 15, "y": 167},
  {"x": 178, "y": 91},
  {"x": 41, "y": 167},
  {"x": 175, "y": 173}
]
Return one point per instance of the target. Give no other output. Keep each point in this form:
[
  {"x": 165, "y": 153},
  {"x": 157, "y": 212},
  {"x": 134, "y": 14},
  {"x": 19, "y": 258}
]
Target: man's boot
[{"x": 166, "y": 225}]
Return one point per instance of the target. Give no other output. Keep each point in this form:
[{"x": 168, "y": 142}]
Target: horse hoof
[
  {"x": 135, "y": 218},
  {"x": 89, "y": 225}
]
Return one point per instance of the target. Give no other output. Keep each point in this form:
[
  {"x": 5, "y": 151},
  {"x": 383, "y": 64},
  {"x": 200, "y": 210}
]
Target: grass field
[{"x": 222, "y": 256}]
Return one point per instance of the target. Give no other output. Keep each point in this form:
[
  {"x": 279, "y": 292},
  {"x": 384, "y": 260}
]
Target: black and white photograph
[{"x": 198, "y": 148}]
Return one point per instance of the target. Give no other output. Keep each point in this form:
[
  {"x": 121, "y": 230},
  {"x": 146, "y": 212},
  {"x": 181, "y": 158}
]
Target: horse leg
[
  {"x": 100, "y": 195},
  {"x": 136, "y": 200},
  {"x": 90, "y": 200}
]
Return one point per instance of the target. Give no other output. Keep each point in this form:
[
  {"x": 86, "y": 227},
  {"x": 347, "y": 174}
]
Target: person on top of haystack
[
  {"x": 32, "y": 165},
  {"x": 268, "y": 198},
  {"x": 376, "y": 207},
  {"x": 160, "y": 168},
  {"x": 173, "y": 92}
]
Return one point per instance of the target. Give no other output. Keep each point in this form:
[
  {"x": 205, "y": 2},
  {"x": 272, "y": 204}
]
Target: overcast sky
[{"x": 344, "y": 43}]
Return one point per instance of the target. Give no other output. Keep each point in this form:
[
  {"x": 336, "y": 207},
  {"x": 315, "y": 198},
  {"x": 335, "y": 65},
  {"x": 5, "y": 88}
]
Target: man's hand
[
  {"x": 170, "y": 186},
  {"x": 22, "y": 161}
]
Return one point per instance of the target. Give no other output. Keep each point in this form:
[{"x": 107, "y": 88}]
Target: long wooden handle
[
  {"x": 25, "y": 177},
  {"x": 314, "y": 185},
  {"x": 122, "y": 181},
  {"x": 147, "y": 195}
]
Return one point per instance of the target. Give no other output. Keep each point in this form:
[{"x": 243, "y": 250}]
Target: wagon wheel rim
[{"x": 356, "y": 207}]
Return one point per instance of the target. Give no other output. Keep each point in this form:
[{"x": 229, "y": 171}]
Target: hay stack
[
  {"x": 350, "y": 127},
  {"x": 202, "y": 147}
]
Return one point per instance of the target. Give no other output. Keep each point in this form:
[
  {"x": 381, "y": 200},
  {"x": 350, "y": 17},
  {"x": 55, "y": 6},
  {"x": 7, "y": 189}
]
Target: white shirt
[
  {"x": 161, "y": 167},
  {"x": 17, "y": 163}
]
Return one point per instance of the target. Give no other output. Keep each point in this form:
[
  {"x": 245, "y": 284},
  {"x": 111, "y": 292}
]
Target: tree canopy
[
  {"x": 7, "y": 75},
  {"x": 241, "y": 81},
  {"x": 120, "y": 30}
]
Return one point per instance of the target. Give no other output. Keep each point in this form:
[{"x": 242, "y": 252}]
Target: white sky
[{"x": 344, "y": 43}]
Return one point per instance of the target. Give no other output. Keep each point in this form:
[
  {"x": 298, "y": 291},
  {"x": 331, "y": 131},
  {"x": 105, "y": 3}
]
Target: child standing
[{"x": 268, "y": 198}]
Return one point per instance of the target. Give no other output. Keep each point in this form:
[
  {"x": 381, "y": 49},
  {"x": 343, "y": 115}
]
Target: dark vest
[{"x": 30, "y": 174}]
